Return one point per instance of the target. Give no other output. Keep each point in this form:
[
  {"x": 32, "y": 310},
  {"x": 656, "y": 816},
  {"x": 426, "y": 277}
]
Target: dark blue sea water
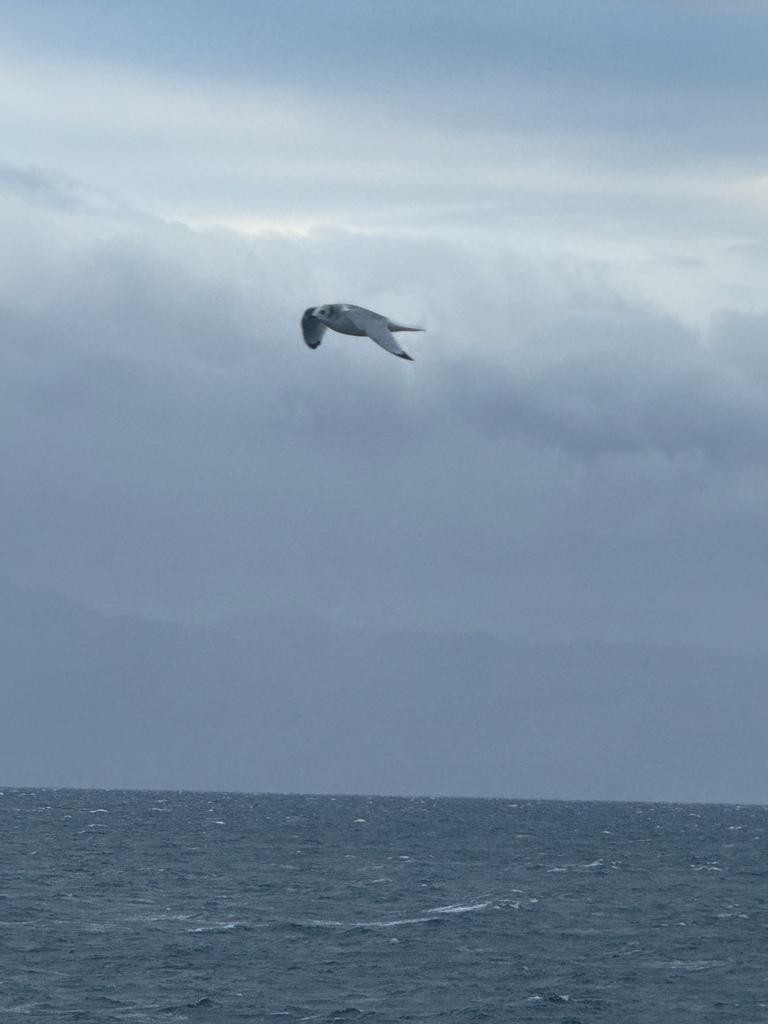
[{"x": 127, "y": 906}]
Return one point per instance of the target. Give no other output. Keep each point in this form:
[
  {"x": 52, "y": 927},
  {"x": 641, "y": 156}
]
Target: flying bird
[{"x": 346, "y": 319}]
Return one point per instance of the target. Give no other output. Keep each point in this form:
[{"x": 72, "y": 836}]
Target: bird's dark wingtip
[{"x": 404, "y": 355}]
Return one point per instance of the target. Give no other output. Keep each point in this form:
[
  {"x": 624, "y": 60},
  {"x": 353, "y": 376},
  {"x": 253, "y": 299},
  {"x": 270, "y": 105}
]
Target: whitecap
[
  {"x": 218, "y": 926},
  {"x": 688, "y": 965},
  {"x": 399, "y": 923},
  {"x": 170, "y": 916},
  {"x": 433, "y": 915},
  {"x": 458, "y": 908}
]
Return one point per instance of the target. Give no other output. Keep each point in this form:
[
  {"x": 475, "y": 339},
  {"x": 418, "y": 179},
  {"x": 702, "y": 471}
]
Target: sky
[{"x": 572, "y": 198}]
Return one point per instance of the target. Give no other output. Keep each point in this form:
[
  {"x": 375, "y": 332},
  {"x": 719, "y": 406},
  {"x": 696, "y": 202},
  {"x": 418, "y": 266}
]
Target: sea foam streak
[
  {"x": 429, "y": 916},
  {"x": 458, "y": 908}
]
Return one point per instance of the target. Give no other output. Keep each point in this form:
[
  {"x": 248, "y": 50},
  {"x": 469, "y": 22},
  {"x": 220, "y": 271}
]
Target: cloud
[
  {"x": 562, "y": 459},
  {"x": 606, "y": 383},
  {"x": 553, "y": 124},
  {"x": 38, "y": 187}
]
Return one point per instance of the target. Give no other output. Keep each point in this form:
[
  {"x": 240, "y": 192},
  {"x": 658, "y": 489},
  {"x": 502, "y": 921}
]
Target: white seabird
[{"x": 346, "y": 319}]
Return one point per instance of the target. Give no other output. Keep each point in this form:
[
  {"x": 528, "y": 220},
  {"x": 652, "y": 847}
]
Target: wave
[
  {"x": 435, "y": 915},
  {"x": 458, "y": 908},
  {"x": 688, "y": 965},
  {"x": 221, "y": 926},
  {"x": 203, "y": 1003},
  {"x": 362, "y": 925}
]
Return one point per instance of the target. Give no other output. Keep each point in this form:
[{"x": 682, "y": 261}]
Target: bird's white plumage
[{"x": 377, "y": 329}]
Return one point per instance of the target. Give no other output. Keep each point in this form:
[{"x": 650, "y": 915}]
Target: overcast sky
[{"x": 571, "y": 196}]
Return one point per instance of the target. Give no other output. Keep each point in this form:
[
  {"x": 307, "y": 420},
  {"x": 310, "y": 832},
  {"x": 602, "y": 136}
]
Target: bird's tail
[{"x": 403, "y": 327}]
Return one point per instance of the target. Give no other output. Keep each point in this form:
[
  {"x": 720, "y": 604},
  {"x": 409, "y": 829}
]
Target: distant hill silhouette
[{"x": 290, "y": 703}]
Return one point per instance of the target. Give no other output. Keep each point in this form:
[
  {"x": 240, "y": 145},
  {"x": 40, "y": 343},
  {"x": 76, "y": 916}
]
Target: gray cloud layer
[{"x": 563, "y": 460}]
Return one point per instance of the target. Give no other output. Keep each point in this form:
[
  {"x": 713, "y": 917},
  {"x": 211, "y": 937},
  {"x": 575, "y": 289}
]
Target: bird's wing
[
  {"x": 312, "y": 329},
  {"x": 375, "y": 326}
]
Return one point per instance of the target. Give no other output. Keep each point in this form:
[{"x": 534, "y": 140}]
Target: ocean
[{"x": 176, "y": 906}]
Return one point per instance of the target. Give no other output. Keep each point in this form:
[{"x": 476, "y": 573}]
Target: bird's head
[{"x": 313, "y": 325}]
